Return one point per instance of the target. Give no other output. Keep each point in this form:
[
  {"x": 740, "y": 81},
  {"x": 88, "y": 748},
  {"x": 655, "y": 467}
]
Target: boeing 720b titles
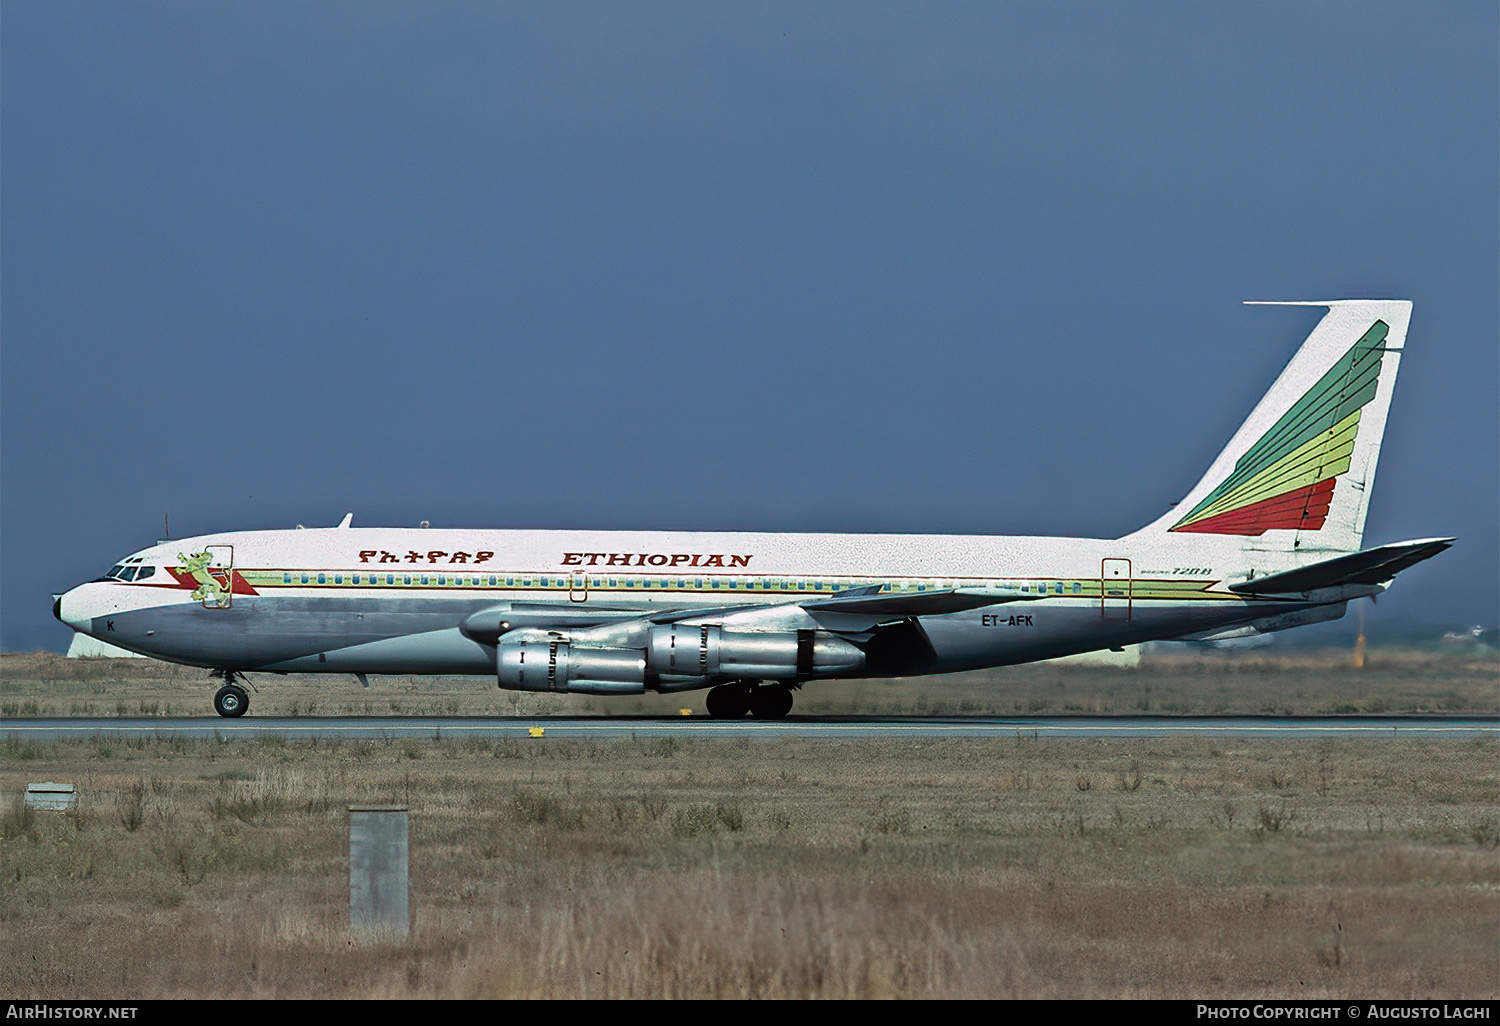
[{"x": 1270, "y": 538}]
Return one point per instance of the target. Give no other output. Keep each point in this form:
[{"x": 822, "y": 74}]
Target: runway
[{"x": 1432, "y": 727}]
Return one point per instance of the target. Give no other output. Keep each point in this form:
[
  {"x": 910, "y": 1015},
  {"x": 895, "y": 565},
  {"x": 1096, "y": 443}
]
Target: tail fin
[{"x": 1299, "y": 470}]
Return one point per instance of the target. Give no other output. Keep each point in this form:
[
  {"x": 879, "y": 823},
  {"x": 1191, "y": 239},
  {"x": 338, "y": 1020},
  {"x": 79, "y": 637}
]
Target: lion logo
[{"x": 197, "y": 566}]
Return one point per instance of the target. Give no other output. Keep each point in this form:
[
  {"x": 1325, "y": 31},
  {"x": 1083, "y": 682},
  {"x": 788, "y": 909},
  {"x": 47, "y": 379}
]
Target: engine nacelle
[
  {"x": 678, "y": 652},
  {"x": 677, "y": 658},
  {"x": 549, "y": 664}
]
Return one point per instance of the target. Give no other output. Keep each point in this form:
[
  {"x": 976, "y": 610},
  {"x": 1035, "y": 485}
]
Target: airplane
[{"x": 1269, "y": 539}]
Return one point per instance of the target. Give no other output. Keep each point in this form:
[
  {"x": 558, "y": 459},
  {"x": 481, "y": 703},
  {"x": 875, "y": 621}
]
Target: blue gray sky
[{"x": 833, "y": 267}]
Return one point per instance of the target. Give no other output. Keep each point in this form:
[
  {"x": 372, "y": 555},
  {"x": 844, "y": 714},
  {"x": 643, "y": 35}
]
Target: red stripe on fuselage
[{"x": 239, "y": 586}]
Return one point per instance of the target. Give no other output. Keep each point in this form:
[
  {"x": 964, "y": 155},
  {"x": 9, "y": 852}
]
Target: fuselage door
[
  {"x": 216, "y": 580},
  {"x": 578, "y": 588},
  {"x": 1114, "y": 589}
]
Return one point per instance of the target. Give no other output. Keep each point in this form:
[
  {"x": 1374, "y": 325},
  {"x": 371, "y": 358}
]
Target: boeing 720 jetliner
[{"x": 1268, "y": 539}]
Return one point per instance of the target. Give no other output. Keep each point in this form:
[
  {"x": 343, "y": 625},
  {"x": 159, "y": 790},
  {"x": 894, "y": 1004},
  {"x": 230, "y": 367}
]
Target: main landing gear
[
  {"x": 231, "y": 700},
  {"x": 763, "y": 701}
]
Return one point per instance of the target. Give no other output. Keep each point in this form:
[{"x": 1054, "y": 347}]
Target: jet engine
[
  {"x": 676, "y": 658},
  {"x": 551, "y": 664},
  {"x": 678, "y": 650}
]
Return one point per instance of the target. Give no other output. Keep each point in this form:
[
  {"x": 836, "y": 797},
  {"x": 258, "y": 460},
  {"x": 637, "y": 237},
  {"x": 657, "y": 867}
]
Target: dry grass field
[{"x": 1017, "y": 867}]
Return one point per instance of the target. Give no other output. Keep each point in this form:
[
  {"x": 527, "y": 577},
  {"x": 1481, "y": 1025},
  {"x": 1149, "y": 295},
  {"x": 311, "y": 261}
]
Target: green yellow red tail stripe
[{"x": 1285, "y": 481}]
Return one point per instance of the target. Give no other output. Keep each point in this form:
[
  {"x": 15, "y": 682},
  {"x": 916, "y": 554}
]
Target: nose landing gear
[{"x": 231, "y": 700}]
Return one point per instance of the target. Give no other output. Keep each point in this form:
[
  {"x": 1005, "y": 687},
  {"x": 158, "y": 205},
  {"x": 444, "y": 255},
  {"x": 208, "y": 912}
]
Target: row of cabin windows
[
  {"x": 548, "y": 581},
  {"x": 381, "y": 579},
  {"x": 123, "y": 572}
]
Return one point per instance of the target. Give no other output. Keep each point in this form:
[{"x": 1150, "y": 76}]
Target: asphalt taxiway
[{"x": 1409, "y": 727}]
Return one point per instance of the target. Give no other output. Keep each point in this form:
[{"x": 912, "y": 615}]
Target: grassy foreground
[
  {"x": 1015, "y": 867},
  {"x": 787, "y": 868}
]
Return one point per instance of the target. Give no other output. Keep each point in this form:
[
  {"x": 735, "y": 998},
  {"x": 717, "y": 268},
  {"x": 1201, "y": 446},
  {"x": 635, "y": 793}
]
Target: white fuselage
[{"x": 378, "y": 600}]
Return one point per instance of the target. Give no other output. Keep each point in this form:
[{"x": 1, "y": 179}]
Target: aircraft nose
[{"x": 69, "y": 608}]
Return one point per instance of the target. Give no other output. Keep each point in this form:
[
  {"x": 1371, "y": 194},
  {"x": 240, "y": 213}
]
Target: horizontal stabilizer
[{"x": 1372, "y": 566}]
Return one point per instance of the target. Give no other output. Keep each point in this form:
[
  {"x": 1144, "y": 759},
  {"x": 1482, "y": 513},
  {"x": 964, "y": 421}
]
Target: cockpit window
[{"x": 128, "y": 571}]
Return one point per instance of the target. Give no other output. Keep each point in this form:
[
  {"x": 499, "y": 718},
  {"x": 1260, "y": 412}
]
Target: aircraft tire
[
  {"x": 727, "y": 701},
  {"x": 231, "y": 700},
  {"x": 770, "y": 701}
]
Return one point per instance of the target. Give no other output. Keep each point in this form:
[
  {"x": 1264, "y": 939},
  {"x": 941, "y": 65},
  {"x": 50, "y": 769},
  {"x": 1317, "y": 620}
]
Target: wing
[
  {"x": 923, "y": 603},
  {"x": 856, "y": 610}
]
